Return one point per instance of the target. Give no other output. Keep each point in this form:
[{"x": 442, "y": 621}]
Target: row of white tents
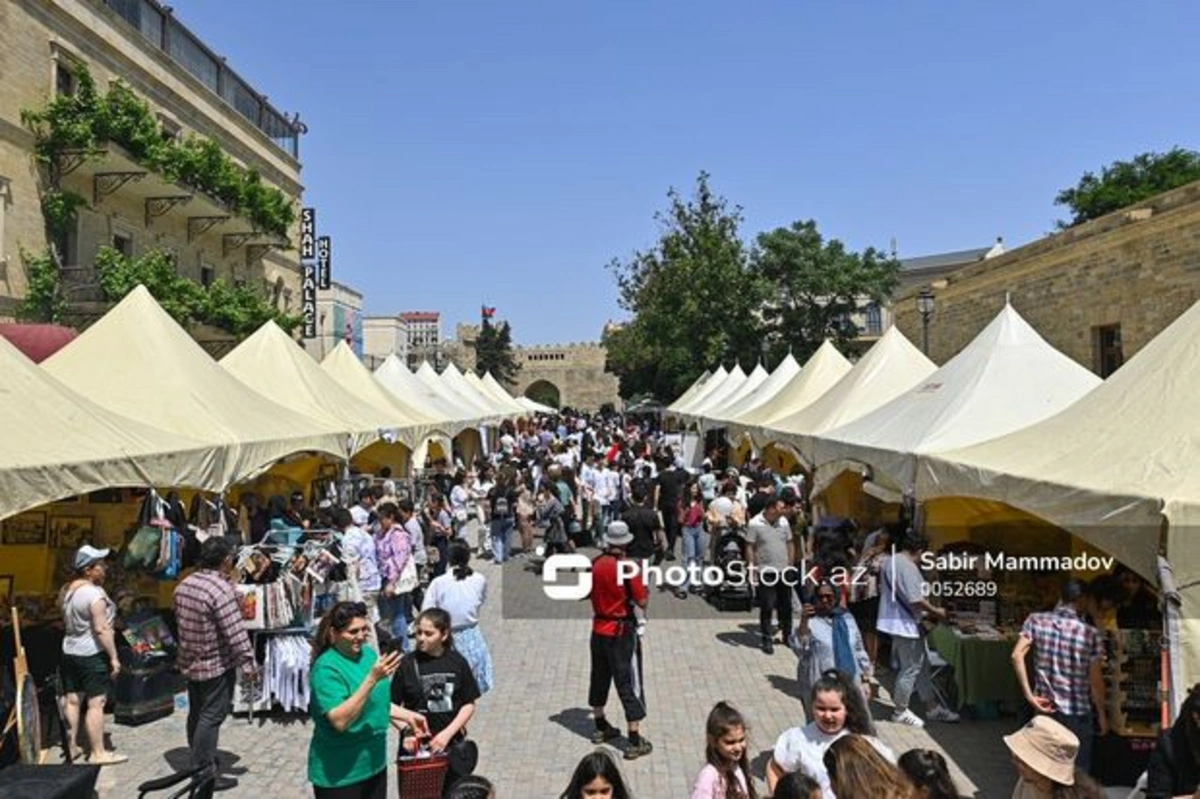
[
  {"x": 1008, "y": 423},
  {"x": 135, "y": 402}
]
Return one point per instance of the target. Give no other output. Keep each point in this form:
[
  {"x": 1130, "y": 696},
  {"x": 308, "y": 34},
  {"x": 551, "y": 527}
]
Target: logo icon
[{"x": 576, "y": 563}]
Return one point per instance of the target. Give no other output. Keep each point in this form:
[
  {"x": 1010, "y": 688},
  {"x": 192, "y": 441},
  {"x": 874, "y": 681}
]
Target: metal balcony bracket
[
  {"x": 157, "y": 206},
  {"x": 231, "y": 241},
  {"x": 255, "y": 252},
  {"x": 199, "y": 225},
  {"x": 70, "y": 160},
  {"x": 105, "y": 183}
]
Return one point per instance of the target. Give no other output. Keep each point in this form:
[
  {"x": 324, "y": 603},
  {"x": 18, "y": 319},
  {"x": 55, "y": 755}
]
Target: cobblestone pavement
[{"x": 533, "y": 727}]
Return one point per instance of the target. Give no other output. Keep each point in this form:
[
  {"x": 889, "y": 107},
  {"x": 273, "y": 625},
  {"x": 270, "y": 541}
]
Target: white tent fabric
[
  {"x": 748, "y": 388},
  {"x": 1111, "y": 468},
  {"x": 891, "y": 367},
  {"x": 691, "y": 392},
  {"x": 720, "y": 376},
  {"x": 820, "y": 372},
  {"x": 136, "y": 361},
  {"x": 783, "y": 374},
  {"x": 458, "y": 384},
  {"x": 272, "y": 364},
  {"x": 496, "y": 392},
  {"x": 351, "y": 374},
  {"x": 1007, "y": 378},
  {"x": 431, "y": 396},
  {"x": 713, "y": 399},
  {"x": 532, "y": 406},
  {"x": 57, "y": 443}
]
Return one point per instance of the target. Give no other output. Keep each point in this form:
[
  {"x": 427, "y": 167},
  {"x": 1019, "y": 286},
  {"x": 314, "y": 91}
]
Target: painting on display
[
  {"x": 24, "y": 528},
  {"x": 70, "y": 532}
]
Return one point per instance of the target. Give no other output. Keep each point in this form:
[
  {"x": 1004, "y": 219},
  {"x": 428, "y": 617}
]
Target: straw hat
[{"x": 1047, "y": 747}]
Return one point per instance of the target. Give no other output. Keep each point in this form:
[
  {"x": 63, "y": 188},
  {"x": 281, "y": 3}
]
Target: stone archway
[{"x": 545, "y": 392}]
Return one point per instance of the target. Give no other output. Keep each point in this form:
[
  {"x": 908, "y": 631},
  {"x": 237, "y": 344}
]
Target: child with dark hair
[
  {"x": 597, "y": 775},
  {"x": 726, "y": 775},
  {"x": 929, "y": 773},
  {"x": 797, "y": 786}
]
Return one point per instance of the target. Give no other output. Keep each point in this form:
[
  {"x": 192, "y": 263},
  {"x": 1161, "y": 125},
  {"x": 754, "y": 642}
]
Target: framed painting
[
  {"x": 24, "y": 528},
  {"x": 70, "y": 532}
]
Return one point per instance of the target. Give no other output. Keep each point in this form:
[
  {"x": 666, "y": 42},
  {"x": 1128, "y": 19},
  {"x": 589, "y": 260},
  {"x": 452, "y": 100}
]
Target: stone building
[
  {"x": 560, "y": 375},
  {"x": 423, "y": 330},
  {"x": 131, "y": 208},
  {"x": 1098, "y": 292},
  {"x": 339, "y": 318},
  {"x": 384, "y": 336}
]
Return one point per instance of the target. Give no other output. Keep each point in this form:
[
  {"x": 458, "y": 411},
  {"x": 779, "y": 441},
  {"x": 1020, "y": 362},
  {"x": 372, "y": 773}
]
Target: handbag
[{"x": 408, "y": 579}]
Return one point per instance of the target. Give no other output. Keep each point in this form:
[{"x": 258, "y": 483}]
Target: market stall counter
[{"x": 982, "y": 663}]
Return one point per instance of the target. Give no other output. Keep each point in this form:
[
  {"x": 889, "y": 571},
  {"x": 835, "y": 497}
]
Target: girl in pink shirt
[{"x": 727, "y": 773}]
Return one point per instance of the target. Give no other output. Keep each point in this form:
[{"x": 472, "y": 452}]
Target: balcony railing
[{"x": 157, "y": 26}]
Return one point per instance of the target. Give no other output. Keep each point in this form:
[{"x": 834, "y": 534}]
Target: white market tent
[
  {"x": 1115, "y": 469},
  {"x": 891, "y": 367},
  {"x": 458, "y": 384},
  {"x": 713, "y": 399},
  {"x": 717, "y": 411},
  {"x": 344, "y": 367},
  {"x": 711, "y": 384},
  {"x": 1007, "y": 378},
  {"x": 820, "y": 372},
  {"x": 783, "y": 374},
  {"x": 272, "y": 364},
  {"x": 440, "y": 392},
  {"x": 691, "y": 392},
  {"x": 136, "y": 361},
  {"x": 501, "y": 398},
  {"x": 57, "y": 443},
  {"x": 533, "y": 407},
  {"x": 435, "y": 401}
]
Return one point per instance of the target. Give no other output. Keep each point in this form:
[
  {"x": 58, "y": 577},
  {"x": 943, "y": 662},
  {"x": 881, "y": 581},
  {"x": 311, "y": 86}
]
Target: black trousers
[
  {"x": 671, "y": 528},
  {"x": 370, "y": 788},
  {"x": 777, "y": 597},
  {"x": 208, "y": 705},
  {"x": 617, "y": 660}
]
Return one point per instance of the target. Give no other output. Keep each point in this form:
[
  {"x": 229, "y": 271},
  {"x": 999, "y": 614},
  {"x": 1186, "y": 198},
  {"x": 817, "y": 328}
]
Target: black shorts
[{"x": 87, "y": 674}]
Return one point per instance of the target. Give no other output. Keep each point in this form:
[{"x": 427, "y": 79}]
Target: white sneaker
[
  {"x": 907, "y": 717},
  {"x": 941, "y": 713}
]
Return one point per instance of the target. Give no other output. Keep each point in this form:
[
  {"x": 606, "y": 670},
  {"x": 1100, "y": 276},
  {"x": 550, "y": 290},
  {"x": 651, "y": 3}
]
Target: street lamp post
[{"x": 925, "y": 306}]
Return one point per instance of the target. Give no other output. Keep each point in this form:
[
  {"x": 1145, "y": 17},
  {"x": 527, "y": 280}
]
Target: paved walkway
[{"x": 533, "y": 727}]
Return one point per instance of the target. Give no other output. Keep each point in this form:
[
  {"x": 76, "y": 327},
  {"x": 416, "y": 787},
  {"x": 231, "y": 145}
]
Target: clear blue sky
[{"x": 464, "y": 153}]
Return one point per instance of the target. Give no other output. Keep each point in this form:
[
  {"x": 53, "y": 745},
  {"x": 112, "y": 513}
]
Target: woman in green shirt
[{"x": 350, "y": 687}]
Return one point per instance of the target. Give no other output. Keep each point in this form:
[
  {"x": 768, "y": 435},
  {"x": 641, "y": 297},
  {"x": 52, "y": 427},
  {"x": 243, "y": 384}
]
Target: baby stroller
[{"x": 734, "y": 591}]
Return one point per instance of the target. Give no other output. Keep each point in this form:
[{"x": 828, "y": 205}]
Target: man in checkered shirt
[
  {"x": 1068, "y": 667},
  {"x": 213, "y": 644}
]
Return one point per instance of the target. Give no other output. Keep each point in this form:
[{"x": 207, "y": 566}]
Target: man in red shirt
[{"x": 616, "y": 646}]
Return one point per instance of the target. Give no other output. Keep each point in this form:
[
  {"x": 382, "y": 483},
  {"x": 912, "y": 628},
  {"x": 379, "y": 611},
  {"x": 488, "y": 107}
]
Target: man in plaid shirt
[
  {"x": 212, "y": 644},
  {"x": 1069, "y": 660}
]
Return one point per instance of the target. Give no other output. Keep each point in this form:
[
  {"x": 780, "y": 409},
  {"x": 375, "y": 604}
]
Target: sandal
[{"x": 107, "y": 759}]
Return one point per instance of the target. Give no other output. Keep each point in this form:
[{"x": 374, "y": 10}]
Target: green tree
[
  {"x": 494, "y": 352},
  {"x": 1124, "y": 183},
  {"x": 693, "y": 298},
  {"x": 816, "y": 285}
]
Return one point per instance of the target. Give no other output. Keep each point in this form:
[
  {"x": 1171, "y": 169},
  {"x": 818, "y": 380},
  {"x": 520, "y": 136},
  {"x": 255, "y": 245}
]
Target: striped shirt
[
  {"x": 1065, "y": 647},
  {"x": 212, "y": 635}
]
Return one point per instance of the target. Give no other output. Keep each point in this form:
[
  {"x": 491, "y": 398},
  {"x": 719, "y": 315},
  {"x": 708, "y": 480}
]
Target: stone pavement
[{"x": 533, "y": 727}]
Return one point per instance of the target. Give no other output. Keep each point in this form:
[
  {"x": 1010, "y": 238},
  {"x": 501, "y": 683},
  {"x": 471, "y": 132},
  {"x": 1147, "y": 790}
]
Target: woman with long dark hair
[
  {"x": 929, "y": 774},
  {"x": 461, "y": 592},
  {"x": 350, "y": 708},
  {"x": 597, "y": 775}
]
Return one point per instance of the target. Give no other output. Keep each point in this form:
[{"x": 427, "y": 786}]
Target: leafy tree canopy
[
  {"x": 1124, "y": 183},
  {"x": 692, "y": 296},
  {"x": 816, "y": 286},
  {"x": 494, "y": 352}
]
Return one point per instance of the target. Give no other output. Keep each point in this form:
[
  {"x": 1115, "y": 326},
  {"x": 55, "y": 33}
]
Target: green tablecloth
[{"x": 983, "y": 669}]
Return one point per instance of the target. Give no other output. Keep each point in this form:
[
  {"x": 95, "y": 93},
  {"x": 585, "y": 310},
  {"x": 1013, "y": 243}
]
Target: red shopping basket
[{"x": 422, "y": 776}]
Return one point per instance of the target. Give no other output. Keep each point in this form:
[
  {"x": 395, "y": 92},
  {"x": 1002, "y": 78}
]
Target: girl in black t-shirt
[{"x": 436, "y": 682}]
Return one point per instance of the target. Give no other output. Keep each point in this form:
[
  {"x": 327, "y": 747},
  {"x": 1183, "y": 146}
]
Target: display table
[{"x": 983, "y": 671}]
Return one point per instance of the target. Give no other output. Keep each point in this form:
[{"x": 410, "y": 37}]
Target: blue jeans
[
  {"x": 396, "y": 612},
  {"x": 695, "y": 547},
  {"x": 501, "y": 531}
]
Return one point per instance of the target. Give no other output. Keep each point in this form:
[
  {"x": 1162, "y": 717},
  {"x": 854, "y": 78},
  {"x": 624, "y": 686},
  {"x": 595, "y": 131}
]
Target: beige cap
[{"x": 1047, "y": 747}]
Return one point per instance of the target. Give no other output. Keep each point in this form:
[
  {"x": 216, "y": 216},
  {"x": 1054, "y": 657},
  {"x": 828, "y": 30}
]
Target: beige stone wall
[
  {"x": 38, "y": 33},
  {"x": 1139, "y": 268}
]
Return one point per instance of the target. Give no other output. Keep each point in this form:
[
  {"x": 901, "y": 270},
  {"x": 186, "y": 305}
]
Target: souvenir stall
[{"x": 286, "y": 584}]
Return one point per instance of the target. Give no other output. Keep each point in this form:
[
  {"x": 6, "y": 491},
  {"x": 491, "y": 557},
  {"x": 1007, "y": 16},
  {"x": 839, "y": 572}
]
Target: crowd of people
[{"x": 409, "y": 652}]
